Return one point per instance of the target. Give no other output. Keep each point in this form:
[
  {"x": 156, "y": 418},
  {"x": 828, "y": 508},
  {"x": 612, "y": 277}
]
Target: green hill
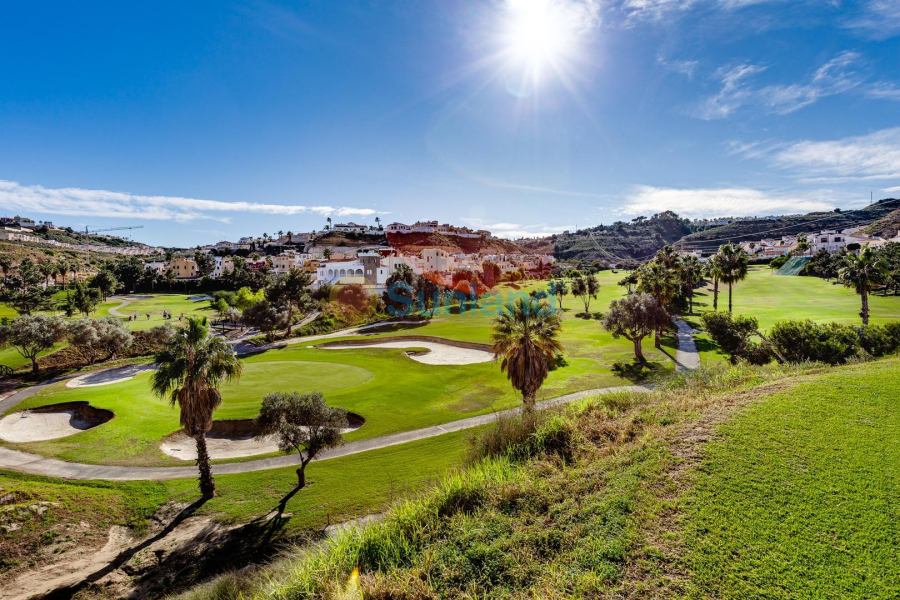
[
  {"x": 634, "y": 240},
  {"x": 754, "y": 229},
  {"x": 887, "y": 226}
]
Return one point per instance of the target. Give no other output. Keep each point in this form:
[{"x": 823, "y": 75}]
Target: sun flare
[{"x": 539, "y": 35}]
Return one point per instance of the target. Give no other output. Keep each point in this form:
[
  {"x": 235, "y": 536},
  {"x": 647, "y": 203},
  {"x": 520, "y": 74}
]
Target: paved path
[{"x": 687, "y": 358}]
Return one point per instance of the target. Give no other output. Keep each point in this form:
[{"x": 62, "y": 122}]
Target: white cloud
[
  {"x": 834, "y": 77},
  {"x": 516, "y": 230},
  {"x": 682, "y": 67},
  {"x": 872, "y": 156},
  {"x": 880, "y": 19},
  {"x": 706, "y": 202},
  {"x": 891, "y": 190},
  {"x": 102, "y": 203},
  {"x": 883, "y": 91}
]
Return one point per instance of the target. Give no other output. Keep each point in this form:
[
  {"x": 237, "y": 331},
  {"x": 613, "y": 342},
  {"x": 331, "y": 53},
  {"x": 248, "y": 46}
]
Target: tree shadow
[{"x": 636, "y": 371}]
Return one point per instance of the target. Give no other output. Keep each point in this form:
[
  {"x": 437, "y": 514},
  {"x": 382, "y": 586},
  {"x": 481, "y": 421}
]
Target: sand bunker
[
  {"x": 109, "y": 376},
  {"x": 51, "y": 422},
  {"x": 232, "y": 439},
  {"x": 437, "y": 353}
]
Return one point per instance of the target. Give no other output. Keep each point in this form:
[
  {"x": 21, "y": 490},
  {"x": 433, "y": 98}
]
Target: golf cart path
[
  {"x": 686, "y": 357},
  {"x": 24, "y": 462},
  {"x": 114, "y": 310}
]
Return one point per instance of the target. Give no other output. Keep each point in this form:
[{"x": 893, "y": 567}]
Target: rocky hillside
[
  {"x": 637, "y": 239},
  {"x": 755, "y": 229},
  {"x": 887, "y": 226},
  {"x": 416, "y": 242}
]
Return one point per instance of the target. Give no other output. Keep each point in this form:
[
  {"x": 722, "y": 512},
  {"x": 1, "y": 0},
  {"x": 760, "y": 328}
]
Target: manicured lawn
[
  {"x": 772, "y": 298},
  {"x": 798, "y": 497},
  {"x": 155, "y": 304},
  {"x": 393, "y": 392}
]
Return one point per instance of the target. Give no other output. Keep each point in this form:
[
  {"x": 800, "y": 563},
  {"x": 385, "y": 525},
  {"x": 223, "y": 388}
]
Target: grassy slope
[
  {"x": 794, "y": 500},
  {"x": 798, "y": 496}
]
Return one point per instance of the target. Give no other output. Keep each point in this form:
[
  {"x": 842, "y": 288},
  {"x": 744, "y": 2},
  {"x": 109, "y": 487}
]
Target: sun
[{"x": 539, "y": 36}]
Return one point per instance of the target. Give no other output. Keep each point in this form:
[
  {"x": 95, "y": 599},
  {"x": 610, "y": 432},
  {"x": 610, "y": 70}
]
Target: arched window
[
  {"x": 359, "y": 272},
  {"x": 343, "y": 272},
  {"x": 330, "y": 272}
]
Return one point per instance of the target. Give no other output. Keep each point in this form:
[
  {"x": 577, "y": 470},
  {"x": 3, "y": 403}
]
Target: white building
[{"x": 351, "y": 226}]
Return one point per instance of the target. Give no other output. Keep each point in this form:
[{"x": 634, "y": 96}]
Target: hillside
[
  {"x": 545, "y": 245},
  {"x": 416, "y": 242},
  {"x": 637, "y": 239},
  {"x": 887, "y": 226},
  {"x": 754, "y": 229},
  {"x": 349, "y": 239}
]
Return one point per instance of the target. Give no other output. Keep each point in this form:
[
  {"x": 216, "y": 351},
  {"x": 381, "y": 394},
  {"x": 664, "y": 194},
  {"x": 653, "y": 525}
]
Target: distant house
[
  {"x": 184, "y": 268},
  {"x": 351, "y": 226}
]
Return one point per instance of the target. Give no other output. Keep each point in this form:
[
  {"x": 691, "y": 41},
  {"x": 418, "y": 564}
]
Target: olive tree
[
  {"x": 94, "y": 339},
  {"x": 301, "y": 422},
  {"x": 32, "y": 334},
  {"x": 634, "y": 318}
]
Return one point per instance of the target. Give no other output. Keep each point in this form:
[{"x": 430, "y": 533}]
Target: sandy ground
[
  {"x": 109, "y": 376},
  {"x": 438, "y": 354},
  {"x": 29, "y": 426},
  {"x": 182, "y": 447}
]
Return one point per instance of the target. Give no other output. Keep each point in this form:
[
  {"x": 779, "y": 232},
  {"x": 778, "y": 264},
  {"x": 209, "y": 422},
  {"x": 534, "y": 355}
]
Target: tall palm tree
[
  {"x": 863, "y": 272},
  {"x": 189, "y": 371},
  {"x": 714, "y": 271},
  {"x": 661, "y": 282},
  {"x": 734, "y": 266},
  {"x": 525, "y": 340},
  {"x": 690, "y": 276}
]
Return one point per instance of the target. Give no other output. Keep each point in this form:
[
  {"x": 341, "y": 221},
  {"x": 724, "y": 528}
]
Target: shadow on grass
[
  {"x": 587, "y": 316},
  {"x": 636, "y": 371}
]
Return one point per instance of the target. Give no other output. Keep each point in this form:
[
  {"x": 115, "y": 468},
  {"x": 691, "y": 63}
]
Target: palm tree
[
  {"x": 690, "y": 276},
  {"x": 525, "y": 339},
  {"x": 329, "y": 223},
  {"x": 189, "y": 371},
  {"x": 863, "y": 272},
  {"x": 714, "y": 271},
  {"x": 661, "y": 282},
  {"x": 734, "y": 266}
]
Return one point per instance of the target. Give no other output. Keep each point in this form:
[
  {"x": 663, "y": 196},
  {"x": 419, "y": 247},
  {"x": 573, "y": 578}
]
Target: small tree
[
  {"x": 558, "y": 289},
  {"x": 106, "y": 282},
  {"x": 26, "y": 292},
  {"x": 266, "y": 317},
  {"x": 84, "y": 299},
  {"x": 635, "y": 317},
  {"x": 291, "y": 291},
  {"x": 32, "y": 334},
  {"x": 585, "y": 288},
  {"x": 304, "y": 423},
  {"x": 157, "y": 337}
]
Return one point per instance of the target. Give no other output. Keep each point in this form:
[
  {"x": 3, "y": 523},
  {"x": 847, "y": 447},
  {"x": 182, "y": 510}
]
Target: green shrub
[
  {"x": 880, "y": 340},
  {"x": 800, "y": 341},
  {"x": 733, "y": 333},
  {"x": 521, "y": 437}
]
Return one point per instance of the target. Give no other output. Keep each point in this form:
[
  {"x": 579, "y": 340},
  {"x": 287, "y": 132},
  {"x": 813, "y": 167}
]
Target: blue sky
[{"x": 204, "y": 121}]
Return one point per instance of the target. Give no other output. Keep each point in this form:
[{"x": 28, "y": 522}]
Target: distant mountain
[
  {"x": 887, "y": 226},
  {"x": 634, "y": 240},
  {"x": 755, "y": 229}
]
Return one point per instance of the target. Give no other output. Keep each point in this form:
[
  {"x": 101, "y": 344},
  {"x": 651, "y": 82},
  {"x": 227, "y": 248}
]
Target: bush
[
  {"x": 880, "y": 340},
  {"x": 799, "y": 341},
  {"x": 523, "y": 436},
  {"x": 733, "y": 334}
]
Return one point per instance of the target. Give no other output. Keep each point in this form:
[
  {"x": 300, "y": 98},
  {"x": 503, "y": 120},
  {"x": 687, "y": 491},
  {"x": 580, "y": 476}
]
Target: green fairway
[
  {"x": 798, "y": 497},
  {"x": 772, "y": 298},
  {"x": 154, "y": 305}
]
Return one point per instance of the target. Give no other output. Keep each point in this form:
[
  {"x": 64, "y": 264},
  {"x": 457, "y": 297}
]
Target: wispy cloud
[
  {"x": 710, "y": 202},
  {"x": 682, "y": 67},
  {"x": 516, "y": 230},
  {"x": 883, "y": 91},
  {"x": 867, "y": 157},
  {"x": 891, "y": 190},
  {"x": 837, "y": 76},
  {"x": 102, "y": 203},
  {"x": 879, "y": 19}
]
